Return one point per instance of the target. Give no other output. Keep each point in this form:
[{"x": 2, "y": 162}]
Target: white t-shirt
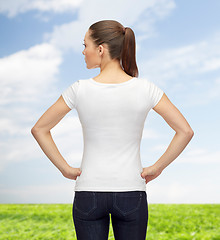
[{"x": 112, "y": 116}]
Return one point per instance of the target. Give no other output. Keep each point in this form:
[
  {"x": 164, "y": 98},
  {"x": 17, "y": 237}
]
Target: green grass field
[{"x": 54, "y": 221}]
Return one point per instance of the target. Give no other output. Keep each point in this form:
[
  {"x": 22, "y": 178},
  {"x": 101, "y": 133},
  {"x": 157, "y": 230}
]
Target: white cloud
[
  {"x": 27, "y": 79},
  {"x": 150, "y": 134},
  {"x": 159, "y": 148},
  {"x": 142, "y": 16},
  {"x": 151, "y": 8},
  {"x": 173, "y": 63},
  {"x": 190, "y": 155},
  {"x": 14, "y": 149},
  {"x": 69, "y": 137},
  {"x": 13, "y": 8},
  {"x": 199, "y": 156},
  {"x": 68, "y": 36},
  {"x": 27, "y": 73}
]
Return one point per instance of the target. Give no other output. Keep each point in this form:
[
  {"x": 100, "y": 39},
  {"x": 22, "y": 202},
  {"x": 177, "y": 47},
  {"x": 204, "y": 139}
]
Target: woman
[{"x": 112, "y": 108}]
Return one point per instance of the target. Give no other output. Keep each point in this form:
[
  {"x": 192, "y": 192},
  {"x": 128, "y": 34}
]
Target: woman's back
[{"x": 112, "y": 117}]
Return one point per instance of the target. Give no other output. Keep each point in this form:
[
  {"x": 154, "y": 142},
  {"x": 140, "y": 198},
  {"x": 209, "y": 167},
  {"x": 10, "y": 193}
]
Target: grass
[{"x": 54, "y": 221}]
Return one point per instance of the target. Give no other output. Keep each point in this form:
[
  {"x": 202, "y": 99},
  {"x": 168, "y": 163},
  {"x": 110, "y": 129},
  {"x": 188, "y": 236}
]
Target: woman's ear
[{"x": 100, "y": 49}]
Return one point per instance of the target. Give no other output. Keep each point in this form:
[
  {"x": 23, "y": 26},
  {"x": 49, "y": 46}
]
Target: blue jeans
[{"x": 129, "y": 215}]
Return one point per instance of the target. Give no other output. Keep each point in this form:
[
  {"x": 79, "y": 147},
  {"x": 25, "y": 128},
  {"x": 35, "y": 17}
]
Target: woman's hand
[
  {"x": 72, "y": 173},
  {"x": 149, "y": 173}
]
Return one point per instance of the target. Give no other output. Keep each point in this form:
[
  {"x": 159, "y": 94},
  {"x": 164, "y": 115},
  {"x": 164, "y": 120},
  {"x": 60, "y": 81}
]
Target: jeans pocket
[
  {"x": 127, "y": 202},
  {"x": 85, "y": 202}
]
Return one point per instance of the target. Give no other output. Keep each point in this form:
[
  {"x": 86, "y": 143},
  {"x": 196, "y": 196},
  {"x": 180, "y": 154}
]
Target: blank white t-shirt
[{"x": 112, "y": 116}]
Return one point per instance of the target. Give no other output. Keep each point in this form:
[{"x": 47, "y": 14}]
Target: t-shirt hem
[
  {"x": 66, "y": 101},
  {"x": 110, "y": 190},
  {"x": 159, "y": 98}
]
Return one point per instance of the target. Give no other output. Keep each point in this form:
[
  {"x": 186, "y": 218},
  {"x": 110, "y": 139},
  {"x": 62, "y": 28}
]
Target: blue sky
[{"x": 41, "y": 55}]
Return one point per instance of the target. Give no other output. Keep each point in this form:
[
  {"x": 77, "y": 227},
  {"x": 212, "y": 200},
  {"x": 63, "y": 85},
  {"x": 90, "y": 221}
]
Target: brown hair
[{"x": 120, "y": 42}]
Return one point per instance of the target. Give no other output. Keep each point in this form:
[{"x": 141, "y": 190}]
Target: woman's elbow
[
  {"x": 34, "y": 131},
  {"x": 189, "y": 132}
]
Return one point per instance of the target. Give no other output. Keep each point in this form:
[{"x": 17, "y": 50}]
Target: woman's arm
[
  {"x": 182, "y": 137},
  {"x": 42, "y": 134}
]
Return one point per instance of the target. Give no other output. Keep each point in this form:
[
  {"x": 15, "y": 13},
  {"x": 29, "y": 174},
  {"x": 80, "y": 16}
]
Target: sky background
[{"x": 178, "y": 48}]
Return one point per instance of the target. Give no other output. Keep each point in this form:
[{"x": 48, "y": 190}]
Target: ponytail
[{"x": 128, "y": 54}]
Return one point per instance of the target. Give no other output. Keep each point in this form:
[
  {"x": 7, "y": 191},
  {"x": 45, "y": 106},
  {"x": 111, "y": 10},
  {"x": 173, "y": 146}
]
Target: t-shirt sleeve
[
  {"x": 70, "y": 95},
  {"x": 155, "y": 93}
]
